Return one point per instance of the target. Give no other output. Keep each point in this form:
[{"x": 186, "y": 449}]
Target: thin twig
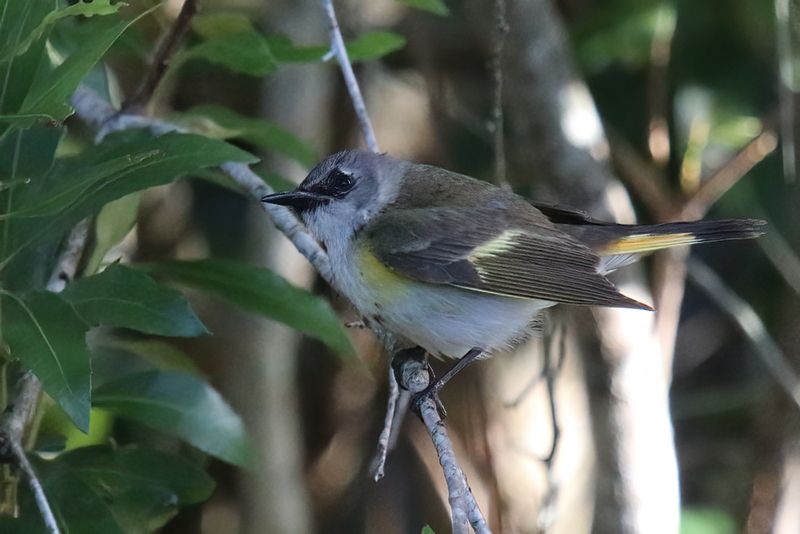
[
  {"x": 642, "y": 178},
  {"x": 379, "y": 462},
  {"x": 750, "y": 324},
  {"x": 339, "y": 50},
  {"x": 161, "y": 58},
  {"x": 729, "y": 174},
  {"x": 497, "y": 126},
  {"x": 658, "y": 84},
  {"x": 36, "y": 487},
  {"x": 784, "y": 26}
]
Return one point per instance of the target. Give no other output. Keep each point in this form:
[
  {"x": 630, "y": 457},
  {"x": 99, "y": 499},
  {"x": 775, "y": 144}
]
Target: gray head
[{"x": 344, "y": 192}]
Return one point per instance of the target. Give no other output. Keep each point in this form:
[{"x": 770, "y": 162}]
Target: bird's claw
[{"x": 431, "y": 392}]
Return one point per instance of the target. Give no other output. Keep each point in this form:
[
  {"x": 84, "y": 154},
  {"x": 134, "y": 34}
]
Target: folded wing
[{"x": 479, "y": 250}]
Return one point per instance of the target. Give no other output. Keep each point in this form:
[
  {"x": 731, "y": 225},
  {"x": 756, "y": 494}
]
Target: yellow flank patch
[
  {"x": 646, "y": 243},
  {"x": 502, "y": 243},
  {"x": 378, "y": 276}
]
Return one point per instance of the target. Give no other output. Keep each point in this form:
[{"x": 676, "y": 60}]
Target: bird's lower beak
[{"x": 298, "y": 200}]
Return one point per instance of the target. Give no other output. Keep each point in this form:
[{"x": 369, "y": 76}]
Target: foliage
[{"x": 100, "y": 347}]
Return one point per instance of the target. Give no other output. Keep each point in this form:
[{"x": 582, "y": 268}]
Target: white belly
[{"x": 444, "y": 320}]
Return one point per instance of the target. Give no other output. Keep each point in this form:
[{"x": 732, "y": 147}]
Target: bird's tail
[
  {"x": 622, "y": 244},
  {"x": 639, "y": 239},
  {"x": 619, "y": 245}
]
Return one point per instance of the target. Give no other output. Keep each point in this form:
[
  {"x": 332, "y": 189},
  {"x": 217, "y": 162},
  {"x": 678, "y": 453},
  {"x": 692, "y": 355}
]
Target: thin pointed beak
[{"x": 298, "y": 200}]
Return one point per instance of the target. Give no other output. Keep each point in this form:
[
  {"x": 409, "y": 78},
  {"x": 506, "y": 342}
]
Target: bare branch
[
  {"x": 379, "y": 463},
  {"x": 642, "y": 178},
  {"x": 415, "y": 376},
  {"x": 339, "y": 50},
  {"x": 750, "y": 324},
  {"x": 21, "y": 459},
  {"x": 161, "y": 58},
  {"x": 497, "y": 126},
  {"x": 729, "y": 174}
]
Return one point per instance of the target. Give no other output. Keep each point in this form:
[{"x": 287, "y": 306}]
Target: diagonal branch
[
  {"x": 161, "y": 58},
  {"x": 750, "y": 324}
]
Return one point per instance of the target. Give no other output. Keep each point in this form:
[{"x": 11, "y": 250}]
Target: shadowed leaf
[
  {"x": 97, "y": 489},
  {"x": 181, "y": 405},
  {"x": 261, "y": 291},
  {"x": 128, "y": 298},
  {"x": 45, "y": 333}
]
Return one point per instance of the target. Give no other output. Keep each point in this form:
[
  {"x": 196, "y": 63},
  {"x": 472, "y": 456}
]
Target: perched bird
[{"x": 460, "y": 267}]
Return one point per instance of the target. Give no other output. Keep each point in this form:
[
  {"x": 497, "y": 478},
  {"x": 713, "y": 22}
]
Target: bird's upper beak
[{"x": 298, "y": 200}]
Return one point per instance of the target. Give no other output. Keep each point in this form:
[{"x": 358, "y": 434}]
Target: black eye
[{"x": 337, "y": 184}]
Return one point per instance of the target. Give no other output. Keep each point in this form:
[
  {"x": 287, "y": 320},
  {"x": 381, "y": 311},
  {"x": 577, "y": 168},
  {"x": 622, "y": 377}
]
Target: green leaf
[
  {"x": 115, "y": 355},
  {"x": 45, "y": 333},
  {"x": 223, "y": 123},
  {"x": 81, "y": 8},
  {"x": 98, "y": 489},
  {"x": 374, "y": 45},
  {"x": 112, "y": 224},
  {"x": 128, "y": 298},
  {"x": 285, "y": 51},
  {"x": 427, "y": 530},
  {"x": 246, "y": 52},
  {"x": 437, "y": 7},
  {"x": 261, "y": 291},
  {"x": 700, "y": 520},
  {"x": 124, "y": 163},
  {"x": 50, "y": 91},
  {"x": 181, "y": 405},
  {"x": 221, "y": 24},
  {"x": 19, "y": 20}
]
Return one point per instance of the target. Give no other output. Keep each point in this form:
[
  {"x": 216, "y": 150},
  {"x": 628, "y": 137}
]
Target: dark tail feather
[{"x": 639, "y": 239}]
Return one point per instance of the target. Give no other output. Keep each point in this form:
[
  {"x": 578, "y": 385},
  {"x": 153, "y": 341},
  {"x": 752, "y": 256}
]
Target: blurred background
[{"x": 648, "y": 110}]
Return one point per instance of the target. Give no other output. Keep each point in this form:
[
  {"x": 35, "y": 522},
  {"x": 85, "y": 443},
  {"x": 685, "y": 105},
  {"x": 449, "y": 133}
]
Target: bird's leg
[
  {"x": 414, "y": 373},
  {"x": 439, "y": 382}
]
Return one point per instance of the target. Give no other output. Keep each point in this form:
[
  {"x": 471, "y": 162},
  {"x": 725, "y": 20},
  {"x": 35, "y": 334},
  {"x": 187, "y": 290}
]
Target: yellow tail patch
[{"x": 640, "y": 243}]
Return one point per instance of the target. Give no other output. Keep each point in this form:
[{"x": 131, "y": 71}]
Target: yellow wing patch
[
  {"x": 639, "y": 243},
  {"x": 502, "y": 243}
]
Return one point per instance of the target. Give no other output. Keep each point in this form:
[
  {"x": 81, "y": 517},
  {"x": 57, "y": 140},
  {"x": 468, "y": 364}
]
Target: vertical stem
[
  {"x": 339, "y": 50},
  {"x": 498, "y": 127}
]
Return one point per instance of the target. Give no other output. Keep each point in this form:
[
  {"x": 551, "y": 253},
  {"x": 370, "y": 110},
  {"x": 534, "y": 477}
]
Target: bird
[{"x": 460, "y": 267}]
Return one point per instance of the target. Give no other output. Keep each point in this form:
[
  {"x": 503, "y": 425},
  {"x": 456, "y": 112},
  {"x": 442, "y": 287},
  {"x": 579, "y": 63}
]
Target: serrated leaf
[
  {"x": 437, "y": 7},
  {"x": 49, "y": 93},
  {"x": 374, "y": 45},
  {"x": 98, "y": 489},
  {"x": 224, "y": 123},
  {"x": 181, "y": 405},
  {"x": 261, "y": 291},
  {"x": 128, "y": 298},
  {"x": 246, "y": 52},
  {"x": 43, "y": 331}
]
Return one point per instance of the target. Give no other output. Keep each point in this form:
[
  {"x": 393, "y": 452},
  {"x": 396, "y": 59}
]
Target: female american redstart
[{"x": 456, "y": 265}]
